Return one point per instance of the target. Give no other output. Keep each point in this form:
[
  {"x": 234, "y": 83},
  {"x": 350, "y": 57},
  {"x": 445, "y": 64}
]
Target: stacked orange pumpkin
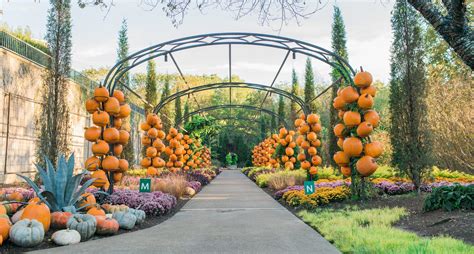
[
  {"x": 308, "y": 129},
  {"x": 262, "y": 153},
  {"x": 152, "y": 141},
  {"x": 108, "y": 136},
  {"x": 175, "y": 151},
  {"x": 187, "y": 142},
  {"x": 287, "y": 158},
  {"x": 357, "y": 122},
  {"x": 205, "y": 157}
]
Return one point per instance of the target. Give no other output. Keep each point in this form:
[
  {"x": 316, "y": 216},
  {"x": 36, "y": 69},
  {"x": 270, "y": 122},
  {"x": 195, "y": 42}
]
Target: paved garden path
[{"x": 231, "y": 215}]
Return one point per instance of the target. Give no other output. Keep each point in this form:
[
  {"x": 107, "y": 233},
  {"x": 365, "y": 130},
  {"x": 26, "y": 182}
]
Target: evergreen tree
[
  {"x": 294, "y": 91},
  {"x": 281, "y": 108},
  {"x": 151, "y": 90},
  {"x": 177, "y": 109},
  {"x": 186, "y": 112},
  {"x": 309, "y": 88},
  {"x": 54, "y": 120},
  {"x": 408, "y": 92},
  {"x": 165, "y": 113},
  {"x": 122, "y": 53},
  {"x": 274, "y": 124},
  {"x": 263, "y": 128},
  {"x": 338, "y": 47}
]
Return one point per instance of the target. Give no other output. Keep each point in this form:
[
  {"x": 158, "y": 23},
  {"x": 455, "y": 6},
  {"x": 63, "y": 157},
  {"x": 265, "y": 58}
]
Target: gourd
[
  {"x": 101, "y": 94},
  {"x": 364, "y": 129},
  {"x": 59, "y": 219},
  {"x": 349, "y": 94},
  {"x": 106, "y": 226},
  {"x": 114, "y": 208},
  {"x": 27, "y": 233},
  {"x": 126, "y": 220},
  {"x": 96, "y": 211},
  {"x": 39, "y": 212},
  {"x": 140, "y": 214},
  {"x": 110, "y": 163},
  {"x": 66, "y": 237},
  {"x": 341, "y": 158},
  {"x": 85, "y": 224},
  {"x": 351, "y": 118}
]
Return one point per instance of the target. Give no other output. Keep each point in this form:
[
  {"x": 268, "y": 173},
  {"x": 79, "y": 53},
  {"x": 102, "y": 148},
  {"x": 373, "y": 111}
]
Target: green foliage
[
  {"x": 407, "y": 94},
  {"x": 25, "y": 35},
  {"x": 262, "y": 180},
  {"x": 165, "y": 113},
  {"x": 186, "y": 112},
  {"x": 61, "y": 187},
  {"x": 151, "y": 89},
  {"x": 450, "y": 198},
  {"x": 285, "y": 178},
  {"x": 253, "y": 171},
  {"x": 231, "y": 159},
  {"x": 309, "y": 88},
  {"x": 281, "y": 109},
  {"x": 294, "y": 91},
  {"x": 385, "y": 171},
  {"x": 447, "y": 173},
  {"x": 370, "y": 231},
  {"x": 177, "y": 108}
]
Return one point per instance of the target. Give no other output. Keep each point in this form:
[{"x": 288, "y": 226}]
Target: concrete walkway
[{"x": 231, "y": 215}]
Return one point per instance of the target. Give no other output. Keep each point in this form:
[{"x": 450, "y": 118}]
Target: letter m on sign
[
  {"x": 145, "y": 185},
  {"x": 309, "y": 187}
]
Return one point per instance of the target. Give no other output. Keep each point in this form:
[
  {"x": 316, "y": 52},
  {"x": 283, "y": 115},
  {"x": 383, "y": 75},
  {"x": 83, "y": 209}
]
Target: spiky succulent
[{"x": 61, "y": 188}]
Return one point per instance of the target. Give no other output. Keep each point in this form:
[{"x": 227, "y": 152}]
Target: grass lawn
[{"x": 370, "y": 231}]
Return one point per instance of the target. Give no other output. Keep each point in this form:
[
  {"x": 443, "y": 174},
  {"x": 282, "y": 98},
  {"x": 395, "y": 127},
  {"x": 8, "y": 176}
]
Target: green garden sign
[
  {"x": 145, "y": 185},
  {"x": 309, "y": 187}
]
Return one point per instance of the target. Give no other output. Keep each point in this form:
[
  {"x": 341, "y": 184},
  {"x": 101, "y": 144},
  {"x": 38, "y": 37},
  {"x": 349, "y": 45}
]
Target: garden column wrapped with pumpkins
[
  {"x": 357, "y": 121},
  {"x": 108, "y": 137},
  {"x": 152, "y": 141},
  {"x": 308, "y": 130}
]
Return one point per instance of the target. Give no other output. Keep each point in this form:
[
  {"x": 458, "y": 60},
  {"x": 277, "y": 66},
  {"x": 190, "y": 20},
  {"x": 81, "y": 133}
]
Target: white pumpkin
[
  {"x": 66, "y": 237},
  {"x": 189, "y": 191}
]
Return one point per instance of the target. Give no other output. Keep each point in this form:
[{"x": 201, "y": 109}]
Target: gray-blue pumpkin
[
  {"x": 140, "y": 214},
  {"x": 126, "y": 220},
  {"x": 27, "y": 233},
  {"x": 85, "y": 224}
]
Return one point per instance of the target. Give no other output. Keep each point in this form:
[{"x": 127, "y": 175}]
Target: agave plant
[{"x": 61, "y": 188}]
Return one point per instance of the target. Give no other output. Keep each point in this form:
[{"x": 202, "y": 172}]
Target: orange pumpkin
[
  {"x": 59, "y": 219},
  {"x": 101, "y": 94},
  {"x": 366, "y": 165},
  {"x": 146, "y": 141},
  {"x": 117, "y": 123},
  {"x": 152, "y": 119},
  {"x": 316, "y": 160},
  {"x": 92, "y": 134},
  {"x": 374, "y": 149},
  {"x": 346, "y": 171},
  {"x": 124, "y": 137},
  {"x": 363, "y": 78},
  {"x": 304, "y": 128},
  {"x": 338, "y": 103},
  {"x": 289, "y": 165},
  {"x": 364, "y": 129},
  {"x": 5, "y": 226},
  {"x": 316, "y": 127},
  {"x": 96, "y": 211},
  {"x": 15, "y": 196},
  {"x": 145, "y": 162},
  {"x": 299, "y": 122},
  {"x": 125, "y": 111},
  {"x": 111, "y": 135},
  {"x": 372, "y": 117},
  {"x": 312, "y": 151},
  {"x": 100, "y": 148},
  {"x": 352, "y": 146},
  {"x": 339, "y": 129},
  {"x": 92, "y": 163},
  {"x": 119, "y": 96},
  {"x": 152, "y": 171},
  {"x": 312, "y": 136},
  {"x": 289, "y": 151},
  {"x": 151, "y": 152},
  {"x": 341, "y": 158},
  {"x": 312, "y": 119},
  {"x": 152, "y": 133},
  {"x": 92, "y": 106},
  {"x": 369, "y": 90},
  {"x": 301, "y": 157},
  {"x": 313, "y": 170},
  {"x": 100, "y": 118},
  {"x": 145, "y": 126},
  {"x": 39, "y": 212},
  {"x": 110, "y": 163},
  {"x": 351, "y": 118},
  {"x": 112, "y": 106},
  {"x": 106, "y": 226},
  {"x": 123, "y": 165},
  {"x": 316, "y": 143},
  {"x": 365, "y": 101},
  {"x": 118, "y": 149},
  {"x": 3, "y": 210},
  {"x": 349, "y": 94},
  {"x": 101, "y": 178},
  {"x": 87, "y": 200}
]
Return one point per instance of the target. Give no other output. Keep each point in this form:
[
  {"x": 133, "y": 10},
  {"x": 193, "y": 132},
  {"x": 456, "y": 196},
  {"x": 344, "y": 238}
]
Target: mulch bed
[{"x": 458, "y": 224}]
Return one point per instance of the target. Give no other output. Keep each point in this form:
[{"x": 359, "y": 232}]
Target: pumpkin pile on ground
[
  {"x": 204, "y": 156},
  {"x": 286, "y": 150},
  {"x": 191, "y": 160},
  {"x": 308, "y": 129},
  {"x": 357, "y": 121},
  {"x": 262, "y": 153},
  {"x": 109, "y": 135},
  {"x": 175, "y": 150},
  {"x": 152, "y": 141}
]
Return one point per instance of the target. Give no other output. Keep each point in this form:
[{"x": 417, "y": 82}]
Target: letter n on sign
[
  {"x": 309, "y": 187},
  {"x": 145, "y": 185}
]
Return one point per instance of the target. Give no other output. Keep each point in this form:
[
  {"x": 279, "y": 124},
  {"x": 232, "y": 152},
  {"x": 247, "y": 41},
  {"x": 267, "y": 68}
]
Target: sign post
[
  {"x": 145, "y": 185},
  {"x": 309, "y": 187}
]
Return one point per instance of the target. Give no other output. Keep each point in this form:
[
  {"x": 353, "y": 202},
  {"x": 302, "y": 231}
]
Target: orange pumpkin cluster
[
  {"x": 108, "y": 135},
  {"x": 202, "y": 157},
  {"x": 287, "y": 142},
  {"x": 175, "y": 150},
  {"x": 262, "y": 152},
  {"x": 152, "y": 141},
  {"x": 357, "y": 122},
  {"x": 308, "y": 129}
]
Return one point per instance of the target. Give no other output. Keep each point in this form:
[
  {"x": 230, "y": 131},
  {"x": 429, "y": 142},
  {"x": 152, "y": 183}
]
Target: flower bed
[
  {"x": 323, "y": 195},
  {"x": 154, "y": 203}
]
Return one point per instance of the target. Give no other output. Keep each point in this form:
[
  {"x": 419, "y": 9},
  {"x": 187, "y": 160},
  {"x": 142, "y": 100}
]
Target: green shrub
[
  {"x": 370, "y": 231},
  {"x": 385, "y": 171},
  {"x": 329, "y": 173},
  {"x": 285, "y": 178},
  {"x": 450, "y": 198},
  {"x": 262, "y": 180},
  {"x": 251, "y": 174},
  {"x": 447, "y": 173}
]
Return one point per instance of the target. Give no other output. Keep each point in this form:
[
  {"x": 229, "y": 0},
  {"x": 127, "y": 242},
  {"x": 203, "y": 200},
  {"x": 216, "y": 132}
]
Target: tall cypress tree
[
  {"x": 281, "y": 109},
  {"x": 165, "y": 113},
  {"x": 309, "y": 88},
  {"x": 274, "y": 123},
  {"x": 177, "y": 108},
  {"x": 408, "y": 92},
  {"x": 338, "y": 47},
  {"x": 294, "y": 91},
  {"x": 186, "y": 112},
  {"x": 122, "y": 53},
  {"x": 151, "y": 90},
  {"x": 54, "y": 121},
  {"x": 263, "y": 128}
]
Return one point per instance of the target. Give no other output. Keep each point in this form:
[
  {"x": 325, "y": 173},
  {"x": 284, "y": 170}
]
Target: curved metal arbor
[
  {"x": 217, "y": 107},
  {"x": 255, "y": 39},
  {"x": 260, "y": 87}
]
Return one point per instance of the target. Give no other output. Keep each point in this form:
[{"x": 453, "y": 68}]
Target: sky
[{"x": 95, "y": 31}]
